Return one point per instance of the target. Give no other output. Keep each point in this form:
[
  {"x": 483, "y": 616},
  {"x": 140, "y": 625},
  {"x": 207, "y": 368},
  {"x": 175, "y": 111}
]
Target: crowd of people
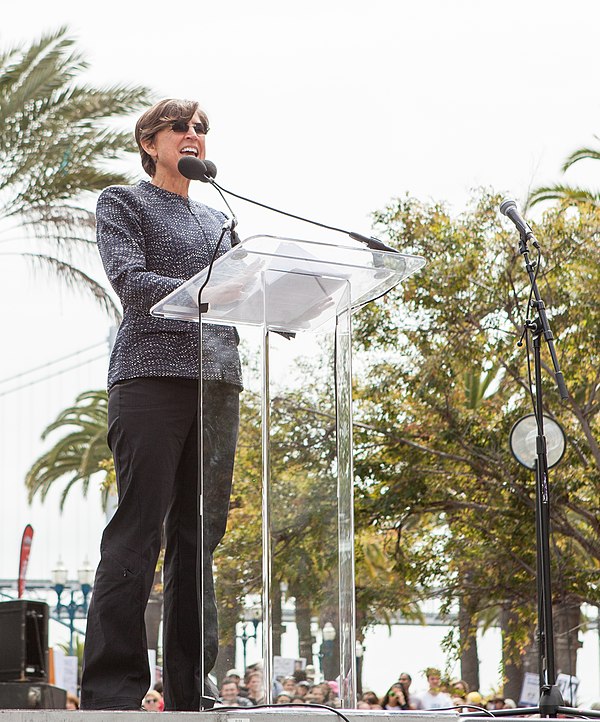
[
  {"x": 439, "y": 695},
  {"x": 247, "y": 690}
]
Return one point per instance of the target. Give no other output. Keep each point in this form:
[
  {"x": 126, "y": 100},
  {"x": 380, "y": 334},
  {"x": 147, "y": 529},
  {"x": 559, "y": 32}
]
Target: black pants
[{"x": 152, "y": 432}]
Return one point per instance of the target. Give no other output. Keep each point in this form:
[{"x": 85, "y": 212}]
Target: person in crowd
[
  {"x": 495, "y": 702},
  {"x": 289, "y": 685},
  {"x": 369, "y": 700},
  {"x": 319, "y": 694},
  {"x": 152, "y": 237},
  {"x": 230, "y": 694},
  {"x": 459, "y": 688},
  {"x": 153, "y": 701},
  {"x": 235, "y": 676},
  {"x": 310, "y": 673},
  {"x": 434, "y": 698},
  {"x": 284, "y": 698},
  {"x": 256, "y": 693},
  {"x": 406, "y": 681},
  {"x": 474, "y": 698},
  {"x": 72, "y": 702},
  {"x": 396, "y": 698},
  {"x": 298, "y": 700},
  {"x": 302, "y": 689}
]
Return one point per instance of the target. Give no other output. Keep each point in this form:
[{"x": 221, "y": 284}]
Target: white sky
[{"x": 328, "y": 109}]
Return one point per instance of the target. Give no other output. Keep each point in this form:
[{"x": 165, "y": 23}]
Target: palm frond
[
  {"x": 76, "y": 280},
  {"x": 54, "y": 144},
  {"x": 568, "y": 195},
  {"x": 581, "y": 154},
  {"x": 77, "y": 455}
]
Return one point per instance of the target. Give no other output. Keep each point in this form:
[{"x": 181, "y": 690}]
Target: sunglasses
[
  {"x": 150, "y": 699},
  {"x": 181, "y": 126}
]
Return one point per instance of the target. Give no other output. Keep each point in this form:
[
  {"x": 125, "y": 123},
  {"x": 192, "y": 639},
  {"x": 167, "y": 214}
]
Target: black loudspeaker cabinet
[
  {"x": 23, "y": 641},
  {"x": 31, "y": 695}
]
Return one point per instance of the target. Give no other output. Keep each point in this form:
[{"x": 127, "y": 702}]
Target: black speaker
[
  {"x": 23, "y": 641},
  {"x": 31, "y": 695}
]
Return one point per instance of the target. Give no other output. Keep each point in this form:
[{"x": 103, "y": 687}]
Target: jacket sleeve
[{"x": 123, "y": 251}]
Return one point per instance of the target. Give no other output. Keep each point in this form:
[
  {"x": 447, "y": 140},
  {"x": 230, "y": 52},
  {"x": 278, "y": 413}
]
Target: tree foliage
[
  {"x": 447, "y": 380},
  {"x": 79, "y": 453},
  {"x": 57, "y": 136}
]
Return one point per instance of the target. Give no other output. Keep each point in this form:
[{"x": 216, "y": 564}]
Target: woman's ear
[{"x": 149, "y": 146}]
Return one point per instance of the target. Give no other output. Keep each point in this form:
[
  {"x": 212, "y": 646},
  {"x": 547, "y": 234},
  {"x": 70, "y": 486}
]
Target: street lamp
[
  {"x": 327, "y": 652},
  {"x": 73, "y": 609},
  {"x": 252, "y": 615},
  {"x": 360, "y": 651}
]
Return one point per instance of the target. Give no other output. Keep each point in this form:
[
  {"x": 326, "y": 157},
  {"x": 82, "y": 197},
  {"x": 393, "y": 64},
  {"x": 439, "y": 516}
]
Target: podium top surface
[{"x": 287, "y": 284}]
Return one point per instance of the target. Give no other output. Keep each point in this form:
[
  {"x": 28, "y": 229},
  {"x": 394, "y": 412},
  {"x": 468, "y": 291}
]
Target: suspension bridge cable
[
  {"x": 52, "y": 375},
  {"x": 52, "y": 363}
]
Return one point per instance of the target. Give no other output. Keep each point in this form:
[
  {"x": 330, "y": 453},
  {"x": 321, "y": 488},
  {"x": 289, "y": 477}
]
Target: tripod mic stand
[{"x": 550, "y": 701}]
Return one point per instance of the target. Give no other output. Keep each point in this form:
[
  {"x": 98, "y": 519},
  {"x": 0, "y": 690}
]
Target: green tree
[
  {"x": 56, "y": 138},
  {"x": 427, "y": 456},
  {"x": 79, "y": 453}
]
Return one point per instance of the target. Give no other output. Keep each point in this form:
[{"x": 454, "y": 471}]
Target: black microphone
[
  {"x": 508, "y": 208},
  {"x": 195, "y": 168},
  {"x": 211, "y": 169}
]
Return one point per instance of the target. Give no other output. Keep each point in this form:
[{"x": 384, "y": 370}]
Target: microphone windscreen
[
  {"x": 193, "y": 168},
  {"x": 211, "y": 168},
  {"x": 506, "y": 205}
]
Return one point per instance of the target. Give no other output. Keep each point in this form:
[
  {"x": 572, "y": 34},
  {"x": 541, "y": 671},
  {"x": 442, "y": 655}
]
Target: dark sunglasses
[
  {"x": 181, "y": 126},
  {"x": 150, "y": 699}
]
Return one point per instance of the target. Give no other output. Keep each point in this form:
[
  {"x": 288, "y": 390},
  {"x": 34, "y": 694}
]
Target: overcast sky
[{"x": 325, "y": 108}]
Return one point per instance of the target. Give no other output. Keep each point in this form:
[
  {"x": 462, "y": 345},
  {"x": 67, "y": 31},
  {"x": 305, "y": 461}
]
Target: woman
[
  {"x": 153, "y": 701},
  {"x": 396, "y": 698},
  {"x": 152, "y": 237}
]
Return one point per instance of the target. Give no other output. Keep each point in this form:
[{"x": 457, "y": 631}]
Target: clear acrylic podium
[{"x": 304, "y": 288}]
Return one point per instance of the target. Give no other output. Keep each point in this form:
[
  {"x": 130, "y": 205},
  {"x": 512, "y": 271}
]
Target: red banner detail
[{"x": 25, "y": 550}]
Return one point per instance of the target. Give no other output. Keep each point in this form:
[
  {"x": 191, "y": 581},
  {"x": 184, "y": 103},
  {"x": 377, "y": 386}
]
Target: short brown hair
[{"x": 158, "y": 117}]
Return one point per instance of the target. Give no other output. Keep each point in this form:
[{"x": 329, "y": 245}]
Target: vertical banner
[{"x": 24, "y": 559}]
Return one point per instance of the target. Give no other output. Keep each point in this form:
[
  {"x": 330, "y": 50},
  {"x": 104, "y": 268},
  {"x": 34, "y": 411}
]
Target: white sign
[
  {"x": 286, "y": 666},
  {"x": 568, "y": 684},
  {"x": 58, "y": 656},
  {"x": 70, "y": 674},
  {"x": 530, "y": 692}
]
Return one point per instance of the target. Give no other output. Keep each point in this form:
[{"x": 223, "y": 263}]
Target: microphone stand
[
  {"x": 550, "y": 702},
  {"x": 206, "y": 701}
]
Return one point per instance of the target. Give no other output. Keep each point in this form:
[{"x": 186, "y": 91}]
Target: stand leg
[
  {"x": 345, "y": 479},
  {"x": 267, "y": 607}
]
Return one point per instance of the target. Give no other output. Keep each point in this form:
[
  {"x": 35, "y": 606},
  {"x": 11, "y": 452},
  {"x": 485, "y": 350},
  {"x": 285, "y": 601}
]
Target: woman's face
[
  {"x": 168, "y": 146},
  {"x": 396, "y": 696}
]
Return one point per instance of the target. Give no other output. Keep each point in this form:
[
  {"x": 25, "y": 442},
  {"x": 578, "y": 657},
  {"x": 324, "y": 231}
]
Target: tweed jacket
[{"x": 151, "y": 241}]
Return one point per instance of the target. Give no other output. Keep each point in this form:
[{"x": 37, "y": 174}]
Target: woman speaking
[{"x": 152, "y": 237}]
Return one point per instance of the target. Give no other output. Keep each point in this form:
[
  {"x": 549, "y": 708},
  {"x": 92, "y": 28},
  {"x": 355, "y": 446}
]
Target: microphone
[
  {"x": 206, "y": 170},
  {"x": 211, "y": 169},
  {"x": 508, "y": 208},
  {"x": 195, "y": 168}
]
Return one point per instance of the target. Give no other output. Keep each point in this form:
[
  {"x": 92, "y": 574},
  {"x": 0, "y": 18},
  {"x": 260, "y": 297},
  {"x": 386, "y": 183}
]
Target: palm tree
[
  {"x": 54, "y": 144},
  {"x": 78, "y": 454},
  {"x": 569, "y": 195}
]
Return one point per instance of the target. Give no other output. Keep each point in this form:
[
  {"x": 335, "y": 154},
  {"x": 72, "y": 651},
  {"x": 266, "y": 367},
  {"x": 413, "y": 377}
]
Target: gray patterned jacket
[{"x": 150, "y": 241}]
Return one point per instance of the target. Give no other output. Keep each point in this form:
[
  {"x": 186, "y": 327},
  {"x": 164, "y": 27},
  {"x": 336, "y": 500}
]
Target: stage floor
[{"x": 241, "y": 715}]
